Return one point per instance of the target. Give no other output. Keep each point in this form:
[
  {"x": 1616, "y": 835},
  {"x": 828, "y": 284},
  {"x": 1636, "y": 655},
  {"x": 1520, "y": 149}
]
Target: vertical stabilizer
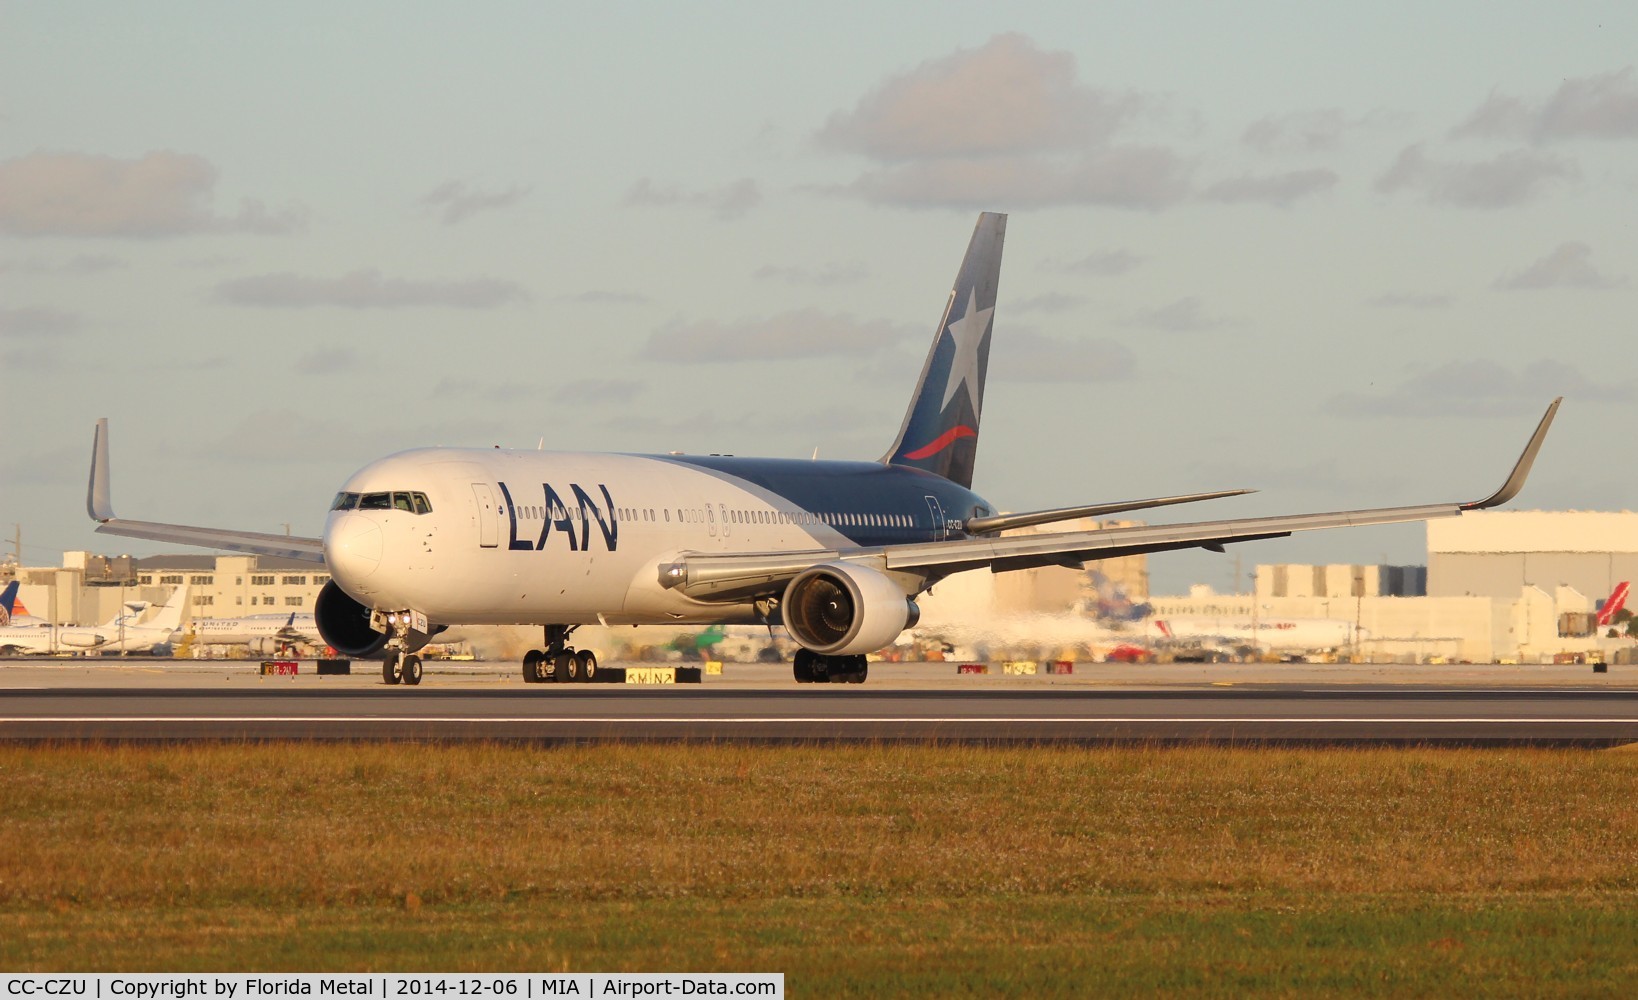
[
  {"x": 940, "y": 430},
  {"x": 170, "y": 614},
  {"x": 1613, "y": 605}
]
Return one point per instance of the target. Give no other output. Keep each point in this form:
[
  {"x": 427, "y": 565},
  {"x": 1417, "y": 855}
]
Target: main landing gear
[
  {"x": 558, "y": 662},
  {"x": 401, "y": 668},
  {"x": 811, "y": 668}
]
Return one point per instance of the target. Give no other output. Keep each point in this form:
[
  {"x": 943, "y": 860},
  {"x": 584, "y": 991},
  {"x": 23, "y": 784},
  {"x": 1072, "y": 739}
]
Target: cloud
[
  {"x": 459, "y": 203},
  {"x": 35, "y": 322},
  {"x": 1299, "y": 131},
  {"x": 160, "y": 194},
  {"x": 1303, "y": 132},
  {"x": 730, "y": 202},
  {"x": 610, "y": 298},
  {"x": 328, "y": 361},
  {"x": 1479, "y": 387},
  {"x": 1106, "y": 263},
  {"x": 486, "y": 389},
  {"x": 1186, "y": 315},
  {"x": 1569, "y": 266},
  {"x": 1510, "y": 178},
  {"x": 1409, "y": 300},
  {"x": 804, "y": 333},
  {"x": 1008, "y": 123},
  {"x": 1048, "y": 302},
  {"x": 1003, "y": 98},
  {"x": 599, "y": 390},
  {"x": 365, "y": 289},
  {"x": 1031, "y": 357},
  {"x": 1603, "y": 106},
  {"x": 823, "y": 277},
  {"x": 80, "y": 264},
  {"x": 1273, "y": 189},
  {"x": 1119, "y": 177}
]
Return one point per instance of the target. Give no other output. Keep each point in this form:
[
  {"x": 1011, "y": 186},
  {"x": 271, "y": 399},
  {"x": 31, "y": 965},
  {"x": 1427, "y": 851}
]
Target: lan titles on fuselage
[{"x": 837, "y": 552}]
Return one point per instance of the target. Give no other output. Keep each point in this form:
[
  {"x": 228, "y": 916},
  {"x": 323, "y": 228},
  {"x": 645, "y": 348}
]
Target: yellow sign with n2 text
[{"x": 651, "y": 675}]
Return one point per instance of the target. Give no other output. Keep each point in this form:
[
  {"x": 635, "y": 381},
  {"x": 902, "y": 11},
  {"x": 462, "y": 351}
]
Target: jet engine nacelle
[
  {"x": 841, "y": 610},
  {"x": 345, "y": 624}
]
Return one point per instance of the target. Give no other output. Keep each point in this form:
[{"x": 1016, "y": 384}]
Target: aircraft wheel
[
  {"x": 802, "y": 666},
  {"x": 531, "y": 666},
  {"x": 562, "y": 667},
  {"x": 586, "y": 660},
  {"x": 391, "y": 670},
  {"x": 860, "y": 670},
  {"x": 412, "y": 670}
]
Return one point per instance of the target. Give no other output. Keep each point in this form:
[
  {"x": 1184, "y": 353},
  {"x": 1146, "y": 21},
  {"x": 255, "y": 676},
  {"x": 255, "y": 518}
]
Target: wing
[
  {"x": 101, "y": 508},
  {"x": 746, "y": 575}
]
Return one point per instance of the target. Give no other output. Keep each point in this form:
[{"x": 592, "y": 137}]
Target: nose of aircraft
[{"x": 352, "y": 548}]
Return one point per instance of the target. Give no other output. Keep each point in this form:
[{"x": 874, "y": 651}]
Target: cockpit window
[{"x": 410, "y": 503}]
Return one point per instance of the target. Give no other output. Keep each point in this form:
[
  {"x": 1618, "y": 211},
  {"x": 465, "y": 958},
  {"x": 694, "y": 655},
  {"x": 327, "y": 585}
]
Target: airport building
[
  {"x": 89, "y": 589},
  {"x": 1520, "y": 586}
]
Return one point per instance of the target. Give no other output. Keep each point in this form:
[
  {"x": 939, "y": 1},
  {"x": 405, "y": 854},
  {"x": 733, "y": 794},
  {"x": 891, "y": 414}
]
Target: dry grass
[{"x": 903, "y": 862}]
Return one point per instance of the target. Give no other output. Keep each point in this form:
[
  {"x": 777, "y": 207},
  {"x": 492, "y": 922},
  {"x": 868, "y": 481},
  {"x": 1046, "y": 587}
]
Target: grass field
[{"x": 854, "y": 870}]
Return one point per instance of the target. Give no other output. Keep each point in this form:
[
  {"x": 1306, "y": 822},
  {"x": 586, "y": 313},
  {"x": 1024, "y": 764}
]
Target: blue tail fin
[
  {"x": 8, "y": 600},
  {"x": 940, "y": 431}
]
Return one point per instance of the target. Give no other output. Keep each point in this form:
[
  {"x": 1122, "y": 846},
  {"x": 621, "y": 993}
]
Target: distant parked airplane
[
  {"x": 13, "y": 611},
  {"x": 1612, "y": 605},
  {"x": 259, "y": 631},
  {"x": 122, "y": 633}
]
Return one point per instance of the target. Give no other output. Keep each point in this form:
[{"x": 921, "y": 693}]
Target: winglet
[
  {"x": 1521, "y": 470},
  {"x": 97, "y": 503}
]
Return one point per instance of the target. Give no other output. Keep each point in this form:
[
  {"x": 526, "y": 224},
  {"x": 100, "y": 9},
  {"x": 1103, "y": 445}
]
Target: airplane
[
  {"x": 122, "y": 633},
  {"x": 1612, "y": 605},
  {"x": 255, "y": 630},
  {"x": 1269, "y": 632},
  {"x": 836, "y": 551},
  {"x": 14, "y": 612}
]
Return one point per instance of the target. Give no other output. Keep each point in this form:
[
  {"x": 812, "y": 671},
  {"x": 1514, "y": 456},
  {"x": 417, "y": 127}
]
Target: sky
[{"x": 1345, "y": 257}]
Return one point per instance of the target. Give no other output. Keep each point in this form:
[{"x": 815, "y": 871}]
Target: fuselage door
[
  {"x": 711, "y": 519},
  {"x": 940, "y": 531},
  {"x": 488, "y": 516},
  {"x": 722, "y": 508}
]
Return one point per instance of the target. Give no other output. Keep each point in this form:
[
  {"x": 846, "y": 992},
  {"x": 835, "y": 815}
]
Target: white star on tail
[{"x": 968, "y": 333}]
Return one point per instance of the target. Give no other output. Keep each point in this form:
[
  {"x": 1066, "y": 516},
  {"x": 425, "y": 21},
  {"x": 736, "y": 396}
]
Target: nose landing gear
[{"x": 401, "y": 668}]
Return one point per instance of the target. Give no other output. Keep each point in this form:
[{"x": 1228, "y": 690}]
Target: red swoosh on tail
[{"x": 943, "y": 441}]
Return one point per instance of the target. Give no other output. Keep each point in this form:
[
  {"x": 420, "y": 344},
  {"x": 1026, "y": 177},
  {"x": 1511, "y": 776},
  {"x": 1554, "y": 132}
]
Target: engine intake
[
  {"x": 840, "y": 610},
  {"x": 345, "y": 623}
]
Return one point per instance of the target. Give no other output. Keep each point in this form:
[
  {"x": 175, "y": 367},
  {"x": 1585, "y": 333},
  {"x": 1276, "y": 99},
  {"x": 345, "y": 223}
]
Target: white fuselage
[
  {"x": 528, "y": 537},
  {"x": 122, "y": 634},
  {"x": 1266, "y": 632},
  {"x": 255, "y": 629}
]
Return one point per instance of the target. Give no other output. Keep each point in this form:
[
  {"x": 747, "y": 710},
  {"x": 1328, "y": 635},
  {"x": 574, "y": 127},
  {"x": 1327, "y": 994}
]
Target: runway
[{"x": 1339, "y": 714}]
